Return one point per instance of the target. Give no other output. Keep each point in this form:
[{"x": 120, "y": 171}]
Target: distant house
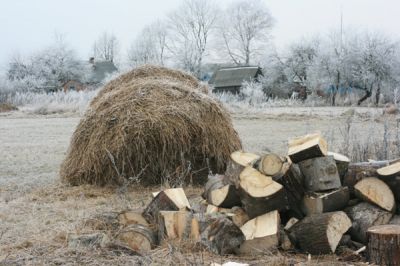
[
  {"x": 231, "y": 79},
  {"x": 97, "y": 72}
]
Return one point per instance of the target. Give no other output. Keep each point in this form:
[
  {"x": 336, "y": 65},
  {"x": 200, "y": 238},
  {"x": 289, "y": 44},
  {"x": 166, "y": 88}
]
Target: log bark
[
  {"x": 307, "y": 147},
  {"x": 261, "y": 233},
  {"x": 220, "y": 194},
  {"x": 238, "y": 216},
  {"x": 314, "y": 203},
  {"x": 293, "y": 182},
  {"x": 176, "y": 225},
  {"x": 363, "y": 216},
  {"x": 173, "y": 199},
  {"x": 270, "y": 164},
  {"x": 259, "y": 194},
  {"x": 384, "y": 244},
  {"x": 320, "y": 233},
  {"x": 222, "y": 237},
  {"x": 320, "y": 174},
  {"x": 377, "y": 192},
  {"x": 342, "y": 163},
  {"x": 137, "y": 237},
  {"x": 238, "y": 161}
]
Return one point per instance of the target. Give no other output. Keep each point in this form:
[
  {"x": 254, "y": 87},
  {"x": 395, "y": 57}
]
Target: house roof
[
  {"x": 100, "y": 69},
  {"x": 234, "y": 76}
]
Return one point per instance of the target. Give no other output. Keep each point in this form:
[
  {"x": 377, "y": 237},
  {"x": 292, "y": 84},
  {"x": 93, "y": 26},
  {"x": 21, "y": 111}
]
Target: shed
[{"x": 231, "y": 79}]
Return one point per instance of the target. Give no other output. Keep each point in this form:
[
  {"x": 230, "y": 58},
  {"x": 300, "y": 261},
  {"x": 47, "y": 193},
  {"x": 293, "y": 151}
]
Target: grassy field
[{"x": 37, "y": 212}]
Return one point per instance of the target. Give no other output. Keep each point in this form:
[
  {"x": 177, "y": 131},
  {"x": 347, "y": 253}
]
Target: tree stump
[
  {"x": 307, "y": 147},
  {"x": 320, "y": 174},
  {"x": 384, "y": 244}
]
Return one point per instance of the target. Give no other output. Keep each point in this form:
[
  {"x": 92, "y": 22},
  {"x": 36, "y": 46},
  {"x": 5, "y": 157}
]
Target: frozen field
[{"x": 37, "y": 212}]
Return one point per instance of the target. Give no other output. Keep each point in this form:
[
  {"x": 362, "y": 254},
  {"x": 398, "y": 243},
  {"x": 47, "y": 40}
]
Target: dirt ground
[{"x": 37, "y": 212}]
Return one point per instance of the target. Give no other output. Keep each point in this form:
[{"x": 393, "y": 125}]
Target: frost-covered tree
[
  {"x": 106, "y": 47},
  {"x": 245, "y": 30},
  {"x": 150, "y": 46},
  {"x": 191, "y": 26}
]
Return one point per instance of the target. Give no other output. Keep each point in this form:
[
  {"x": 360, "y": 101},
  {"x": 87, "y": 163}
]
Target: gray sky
[{"x": 28, "y": 25}]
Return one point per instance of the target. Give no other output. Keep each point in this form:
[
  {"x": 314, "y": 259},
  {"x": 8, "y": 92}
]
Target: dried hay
[
  {"x": 7, "y": 107},
  {"x": 150, "y": 128}
]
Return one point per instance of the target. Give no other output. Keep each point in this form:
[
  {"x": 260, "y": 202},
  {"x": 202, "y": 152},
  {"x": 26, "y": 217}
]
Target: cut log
[
  {"x": 173, "y": 199},
  {"x": 222, "y": 237},
  {"x": 236, "y": 214},
  {"x": 219, "y": 194},
  {"x": 363, "y": 216},
  {"x": 175, "y": 225},
  {"x": 320, "y": 174},
  {"x": 307, "y": 147},
  {"x": 320, "y": 233},
  {"x": 390, "y": 170},
  {"x": 137, "y": 237},
  {"x": 293, "y": 182},
  {"x": 261, "y": 233},
  {"x": 377, "y": 192},
  {"x": 132, "y": 217},
  {"x": 342, "y": 163},
  {"x": 314, "y": 203},
  {"x": 384, "y": 244},
  {"x": 238, "y": 161},
  {"x": 270, "y": 164},
  {"x": 259, "y": 194}
]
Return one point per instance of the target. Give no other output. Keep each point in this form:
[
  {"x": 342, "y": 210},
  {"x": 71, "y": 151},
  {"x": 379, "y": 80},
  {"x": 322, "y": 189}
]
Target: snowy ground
[{"x": 37, "y": 212}]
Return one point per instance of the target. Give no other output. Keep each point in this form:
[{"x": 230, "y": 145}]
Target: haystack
[{"x": 151, "y": 123}]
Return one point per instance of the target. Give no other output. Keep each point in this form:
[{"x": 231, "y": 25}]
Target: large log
[
  {"x": 342, "y": 163},
  {"x": 363, "y": 216},
  {"x": 377, "y": 192},
  {"x": 320, "y": 174},
  {"x": 384, "y": 245},
  {"x": 320, "y": 233},
  {"x": 259, "y": 194},
  {"x": 270, "y": 164},
  {"x": 173, "y": 199},
  {"x": 238, "y": 161},
  {"x": 307, "y": 147},
  {"x": 220, "y": 194},
  {"x": 293, "y": 182},
  {"x": 261, "y": 233},
  {"x": 137, "y": 237},
  {"x": 222, "y": 237},
  {"x": 314, "y": 203},
  {"x": 390, "y": 170}
]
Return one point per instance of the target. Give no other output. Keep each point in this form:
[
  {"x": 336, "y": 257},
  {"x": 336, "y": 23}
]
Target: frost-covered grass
[{"x": 50, "y": 103}]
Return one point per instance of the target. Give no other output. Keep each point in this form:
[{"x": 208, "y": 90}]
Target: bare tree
[
  {"x": 106, "y": 47},
  {"x": 245, "y": 29},
  {"x": 191, "y": 25},
  {"x": 150, "y": 46}
]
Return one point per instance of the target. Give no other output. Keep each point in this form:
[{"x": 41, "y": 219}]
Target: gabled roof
[
  {"x": 100, "y": 69},
  {"x": 234, "y": 76}
]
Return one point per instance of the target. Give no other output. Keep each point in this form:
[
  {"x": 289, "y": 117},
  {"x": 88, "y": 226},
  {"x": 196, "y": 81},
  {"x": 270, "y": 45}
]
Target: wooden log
[
  {"x": 270, "y": 164},
  {"x": 129, "y": 217},
  {"x": 320, "y": 174},
  {"x": 384, "y": 245},
  {"x": 394, "y": 183},
  {"x": 197, "y": 203},
  {"x": 236, "y": 214},
  {"x": 259, "y": 194},
  {"x": 176, "y": 225},
  {"x": 342, "y": 163},
  {"x": 377, "y": 192},
  {"x": 222, "y": 237},
  {"x": 238, "y": 161},
  {"x": 220, "y": 194},
  {"x": 320, "y": 233},
  {"x": 137, "y": 237},
  {"x": 363, "y": 216},
  {"x": 261, "y": 233},
  {"x": 307, "y": 147},
  {"x": 390, "y": 170},
  {"x": 173, "y": 199},
  {"x": 314, "y": 203},
  {"x": 293, "y": 182}
]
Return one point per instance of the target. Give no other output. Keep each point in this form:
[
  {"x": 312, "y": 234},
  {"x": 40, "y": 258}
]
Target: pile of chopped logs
[{"x": 311, "y": 200}]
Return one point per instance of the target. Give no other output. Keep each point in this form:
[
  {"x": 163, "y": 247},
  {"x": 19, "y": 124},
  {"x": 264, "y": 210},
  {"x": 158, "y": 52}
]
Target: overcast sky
[{"x": 28, "y": 25}]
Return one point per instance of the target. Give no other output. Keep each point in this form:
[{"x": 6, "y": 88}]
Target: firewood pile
[{"x": 310, "y": 201}]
